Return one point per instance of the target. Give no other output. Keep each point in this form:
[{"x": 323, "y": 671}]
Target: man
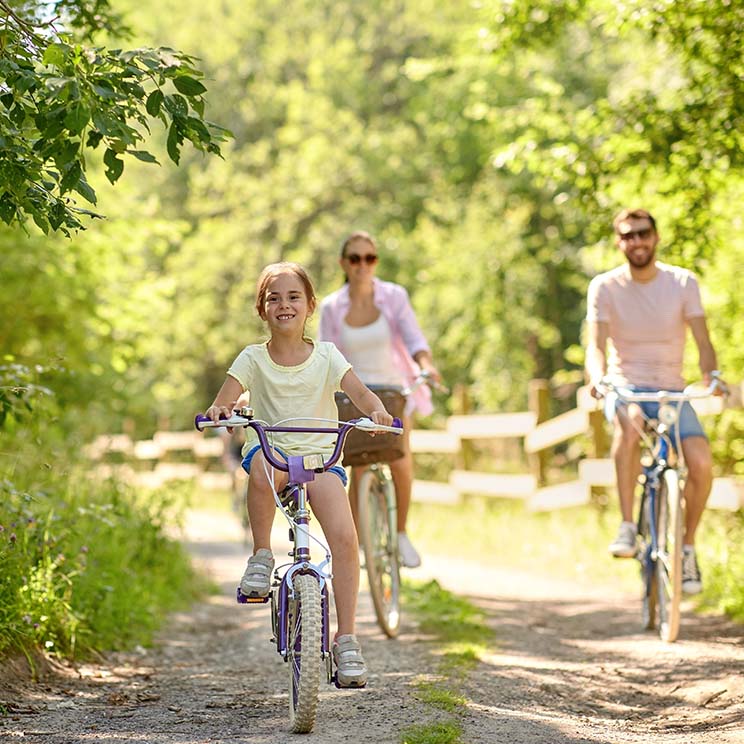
[{"x": 637, "y": 317}]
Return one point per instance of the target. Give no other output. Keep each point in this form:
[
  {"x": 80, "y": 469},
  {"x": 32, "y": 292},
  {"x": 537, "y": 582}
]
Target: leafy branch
[{"x": 60, "y": 98}]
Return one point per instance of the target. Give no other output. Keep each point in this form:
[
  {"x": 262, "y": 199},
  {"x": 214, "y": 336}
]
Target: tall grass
[{"x": 85, "y": 563}]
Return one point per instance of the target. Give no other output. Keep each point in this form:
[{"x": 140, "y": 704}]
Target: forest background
[{"x": 486, "y": 145}]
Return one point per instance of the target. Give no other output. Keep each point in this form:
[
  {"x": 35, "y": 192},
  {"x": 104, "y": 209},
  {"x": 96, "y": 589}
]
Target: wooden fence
[{"x": 191, "y": 455}]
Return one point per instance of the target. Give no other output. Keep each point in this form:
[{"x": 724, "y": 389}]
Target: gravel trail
[{"x": 569, "y": 664}]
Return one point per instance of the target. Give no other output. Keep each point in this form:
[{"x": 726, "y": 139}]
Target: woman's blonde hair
[{"x": 357, "y": 235}]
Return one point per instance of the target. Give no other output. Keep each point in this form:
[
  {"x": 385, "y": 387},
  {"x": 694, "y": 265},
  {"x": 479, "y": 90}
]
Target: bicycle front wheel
[
  {"x": 648, "y": 565},
  {"x": 379, "y": 537},
  {"x": 304, "y": 652},
  {"x": 670, "y": 525}
]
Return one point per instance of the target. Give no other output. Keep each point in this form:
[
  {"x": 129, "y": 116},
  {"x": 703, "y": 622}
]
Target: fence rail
[{"x": 146, "y": 461}]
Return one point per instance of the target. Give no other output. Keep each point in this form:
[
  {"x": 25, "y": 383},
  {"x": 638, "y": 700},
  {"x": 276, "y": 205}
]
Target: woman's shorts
[
  {"x": 689, "y": 425},
  {"x": 336, "y": 469}
]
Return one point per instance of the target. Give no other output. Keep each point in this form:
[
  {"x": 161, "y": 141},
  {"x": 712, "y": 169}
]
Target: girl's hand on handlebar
[
  {"x": 215, "y": 413},
  {"x": 381, "y": 417}
]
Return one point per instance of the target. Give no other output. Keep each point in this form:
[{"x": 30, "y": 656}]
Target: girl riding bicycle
[{"x": 292, "y": 376}]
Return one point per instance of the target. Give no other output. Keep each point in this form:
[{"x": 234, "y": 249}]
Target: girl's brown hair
[{"x": 276, "y": 269}]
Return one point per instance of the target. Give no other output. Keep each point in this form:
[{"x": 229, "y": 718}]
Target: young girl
[{"x": 292, "y": 376}]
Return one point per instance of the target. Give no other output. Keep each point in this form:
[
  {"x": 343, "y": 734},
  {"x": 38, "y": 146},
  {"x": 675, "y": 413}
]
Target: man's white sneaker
[
  {"x": 407, "y": 554},
  {"x": 256, "y": 581},
  {"x": 692, "y": 583},
  {"x": 624, "y": 545}
]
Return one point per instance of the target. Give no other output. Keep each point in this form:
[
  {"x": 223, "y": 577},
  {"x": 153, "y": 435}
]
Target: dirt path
[{"x": 568, "y": 665}]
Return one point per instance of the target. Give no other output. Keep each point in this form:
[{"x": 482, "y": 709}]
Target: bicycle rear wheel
[
  {"x": 648, "y": 566},
  {"x": 304, "y": 652},
  {"x": 379, "y": 537},
  {"x": 670, "y": 525}
]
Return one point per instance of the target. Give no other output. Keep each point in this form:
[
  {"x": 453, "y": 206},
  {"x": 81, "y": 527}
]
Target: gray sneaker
[
  {"x": 351, "y": 671},
  {"x": 692, "y": 583},
  {"x": 624, "y": 545},
  {"x": 256, "y": 581}
]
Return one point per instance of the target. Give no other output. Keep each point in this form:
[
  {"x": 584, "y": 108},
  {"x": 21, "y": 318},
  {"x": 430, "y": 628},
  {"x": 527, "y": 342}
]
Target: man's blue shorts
[
  {"x": 689, "y": 425},
  {"x": 336, "y": 469}
]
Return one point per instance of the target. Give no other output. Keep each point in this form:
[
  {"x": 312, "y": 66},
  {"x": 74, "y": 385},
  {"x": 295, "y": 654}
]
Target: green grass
[
  {"x": 722, "y": 563},
  {"x": 567, "y": 543},
  {"x": 444, "y": 732},
  {"x": 462, "y": 637},
  {"x": 442, "y": 698},
  {"x": 86, "y": 564},
  {"x": 572, "y": 544}
]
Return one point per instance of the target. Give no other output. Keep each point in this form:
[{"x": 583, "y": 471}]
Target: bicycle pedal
[
  {"x": 242, "y": 599},
  {"x": 334, "y": 679}
]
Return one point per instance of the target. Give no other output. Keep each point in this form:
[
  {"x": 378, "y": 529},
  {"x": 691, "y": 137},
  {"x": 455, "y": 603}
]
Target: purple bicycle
[{"x": 299, "y": 593}]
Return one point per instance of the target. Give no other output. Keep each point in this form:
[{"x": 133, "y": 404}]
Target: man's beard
[{"x": 642, "y": 262}]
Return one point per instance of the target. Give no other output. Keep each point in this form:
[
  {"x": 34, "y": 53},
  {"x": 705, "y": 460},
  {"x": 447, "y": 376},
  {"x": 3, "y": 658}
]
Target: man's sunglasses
[
  {"x": 642, "y": 234},
  {"x": 355, "y": 259}
]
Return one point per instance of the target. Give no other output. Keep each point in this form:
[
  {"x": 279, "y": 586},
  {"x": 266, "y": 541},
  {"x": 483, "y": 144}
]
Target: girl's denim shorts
[{"x": 336, "y": 469}]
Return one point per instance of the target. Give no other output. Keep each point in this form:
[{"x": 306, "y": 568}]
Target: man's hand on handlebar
[
  {"x": 597, "y": 389},
  {"x": 714, "y": 378}
]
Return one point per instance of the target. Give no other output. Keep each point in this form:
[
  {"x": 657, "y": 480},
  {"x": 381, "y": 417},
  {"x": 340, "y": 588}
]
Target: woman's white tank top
[{"x": 369, "y": 349}]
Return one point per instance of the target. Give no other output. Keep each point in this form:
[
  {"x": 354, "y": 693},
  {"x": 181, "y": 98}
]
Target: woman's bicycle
[
  {"x": 376, "y": 509},
  {"x": 661, "y": 513},
  {"x": 299, "y": 596}
]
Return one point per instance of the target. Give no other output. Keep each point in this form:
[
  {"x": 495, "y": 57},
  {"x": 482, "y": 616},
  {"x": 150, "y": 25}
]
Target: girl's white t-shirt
[{"x": 278, "y": 393}]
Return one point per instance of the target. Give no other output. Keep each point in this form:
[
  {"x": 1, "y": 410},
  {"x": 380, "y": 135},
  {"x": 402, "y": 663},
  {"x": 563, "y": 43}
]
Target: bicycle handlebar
[
  {"x": 202, "y": 422},
  {"x": 424, "y": 377},
  {"x": 691, "y": 392}
]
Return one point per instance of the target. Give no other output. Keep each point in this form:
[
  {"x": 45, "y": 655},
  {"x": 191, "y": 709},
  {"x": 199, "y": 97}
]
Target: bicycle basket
[{"x": 362, "y": 449}]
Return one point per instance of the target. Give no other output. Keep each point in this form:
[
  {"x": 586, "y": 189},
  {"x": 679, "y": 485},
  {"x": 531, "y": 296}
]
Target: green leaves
[
  {"x": 114, "y": 165},
  {"x": 188, "y": 86},
  {"x": 154, "y": 102},
  {"x": 60, "y": 98}
]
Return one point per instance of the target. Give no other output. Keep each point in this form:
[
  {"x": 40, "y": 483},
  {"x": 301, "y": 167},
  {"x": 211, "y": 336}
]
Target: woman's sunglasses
[{"x": 355, "y": 259}]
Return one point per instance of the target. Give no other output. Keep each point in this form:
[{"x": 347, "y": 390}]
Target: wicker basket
[{"x": 362, "y": 449}]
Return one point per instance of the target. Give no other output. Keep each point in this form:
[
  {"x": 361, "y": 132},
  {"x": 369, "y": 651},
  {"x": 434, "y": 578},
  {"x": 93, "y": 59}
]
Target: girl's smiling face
[{"x": 286, "y": 306}]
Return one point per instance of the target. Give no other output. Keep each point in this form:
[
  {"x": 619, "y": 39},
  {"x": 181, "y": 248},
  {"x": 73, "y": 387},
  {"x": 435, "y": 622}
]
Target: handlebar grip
[
  {"x": 397, "y": 423},
  {"x": 201, "y": 419}
]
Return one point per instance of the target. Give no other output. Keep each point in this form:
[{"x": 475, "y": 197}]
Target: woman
[{"x": 374, "y": 326}]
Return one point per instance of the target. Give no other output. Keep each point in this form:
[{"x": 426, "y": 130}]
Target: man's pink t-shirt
[{"x": 648, "y": 323}]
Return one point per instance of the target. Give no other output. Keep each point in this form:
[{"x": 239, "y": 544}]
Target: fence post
[
  {"x": 462, "y": 407},
  {"x": 538, "y": 396},
  {"x": 600, "y": 440}
]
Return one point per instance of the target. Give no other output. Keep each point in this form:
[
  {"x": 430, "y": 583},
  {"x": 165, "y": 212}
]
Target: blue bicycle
[
  {"x": 299, "y": 593},
  {"x": 661, "y": 513}
]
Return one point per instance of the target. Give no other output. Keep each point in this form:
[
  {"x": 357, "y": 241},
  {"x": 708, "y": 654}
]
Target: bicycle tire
[
  {"x": 648, "y": 566},
  {"x": 379, "y": 537},
  {"x": 304, "y": 652},
  {"x": 670, "y": 524}
]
